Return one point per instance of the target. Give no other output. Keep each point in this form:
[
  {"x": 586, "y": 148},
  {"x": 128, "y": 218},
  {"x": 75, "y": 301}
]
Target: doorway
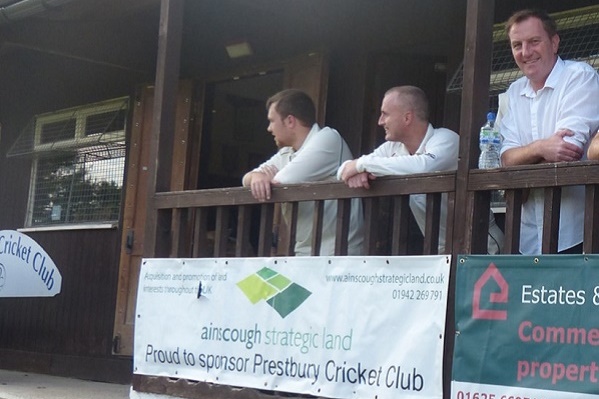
[{"x": 234, "y": 136}]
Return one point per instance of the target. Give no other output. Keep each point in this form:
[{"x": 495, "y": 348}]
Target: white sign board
[
  {"x": 342, "y": 327},
  {"x": 26, "y": 270}
]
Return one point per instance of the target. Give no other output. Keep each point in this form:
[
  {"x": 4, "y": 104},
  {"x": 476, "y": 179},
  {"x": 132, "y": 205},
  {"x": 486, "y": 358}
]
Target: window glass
[
  {"x": 79, "y": 187},
  {"x": 105, "y": 122},
  {"x": 79, "y": 164},
  {"x": 58, "y": 131}
]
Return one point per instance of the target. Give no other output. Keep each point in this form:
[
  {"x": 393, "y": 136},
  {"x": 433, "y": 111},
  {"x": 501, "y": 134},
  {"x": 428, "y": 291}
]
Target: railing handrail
[
  {"x": 535, "y": 176},
  {"x": 421, "y": 183}
]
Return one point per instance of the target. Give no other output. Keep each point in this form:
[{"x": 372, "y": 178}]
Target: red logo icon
[{"x": 495, "y": 297}]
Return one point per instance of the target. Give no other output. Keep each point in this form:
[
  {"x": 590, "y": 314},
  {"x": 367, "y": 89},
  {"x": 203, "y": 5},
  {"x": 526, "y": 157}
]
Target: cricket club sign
[{"x": 26, "y": 270}]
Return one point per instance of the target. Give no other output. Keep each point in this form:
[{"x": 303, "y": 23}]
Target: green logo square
[{"x": 283, "y": 295}]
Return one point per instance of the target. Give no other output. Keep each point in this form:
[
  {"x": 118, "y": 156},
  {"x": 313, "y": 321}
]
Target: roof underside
[
  {"x": 123, "y": 34},
  {"x": 89, "y": 30}
]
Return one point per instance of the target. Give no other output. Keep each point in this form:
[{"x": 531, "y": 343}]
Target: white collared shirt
[
  {"x": 438, "y": 152},
  {"x": 569, "y": 100}
]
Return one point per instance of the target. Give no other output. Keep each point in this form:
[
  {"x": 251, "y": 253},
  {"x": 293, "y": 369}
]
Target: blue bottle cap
[{"x": 491, "y": 116}]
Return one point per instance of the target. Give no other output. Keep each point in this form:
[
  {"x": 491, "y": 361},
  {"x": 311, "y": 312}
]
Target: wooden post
[
  {"x": 158, "y": 223},
  {"x": 478, "y": 48}
]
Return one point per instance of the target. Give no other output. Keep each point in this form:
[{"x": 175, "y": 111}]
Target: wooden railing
[
  {"x": 551, "y": 178},
  {"x": 201, "y": 219}
]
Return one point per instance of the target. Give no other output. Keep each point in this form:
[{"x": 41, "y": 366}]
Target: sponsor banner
[
  {"x": 26, "y": 270},
  {"x": 526, "y": 327},
  {"x": 342, "y": 327}
]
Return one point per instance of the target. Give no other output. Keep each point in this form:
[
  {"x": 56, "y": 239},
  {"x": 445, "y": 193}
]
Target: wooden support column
[
  {"x": 478, "y": 49},
  {"x": 158, "y": 223}
]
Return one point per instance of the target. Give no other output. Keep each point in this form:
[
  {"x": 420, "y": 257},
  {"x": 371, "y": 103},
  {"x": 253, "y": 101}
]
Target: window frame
[{"x": 79, "y": 141}]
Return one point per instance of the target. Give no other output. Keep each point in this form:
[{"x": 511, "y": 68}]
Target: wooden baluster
[
  {"x": 431, "y": 229},
  {"x": 449, "y": 221},
  {"x": 244, "y": 218},
  {"x": 513, "y": 216},
  {"x": 265, "y": 238},
  {"x": 401, "y": 215},
  {"x": 292, "y": 228},
  {"x": 342, "y": 229},
  {"x": 200, "y": 232},
  {"x": 591, "y": 219},
  {"x": 175, "y": 233},
  {"x": 317, "y": 227},
  {"x": 370, "y": 225},
  {"x": 221, "y": 232},
  {"x": 553, "y": 196}
]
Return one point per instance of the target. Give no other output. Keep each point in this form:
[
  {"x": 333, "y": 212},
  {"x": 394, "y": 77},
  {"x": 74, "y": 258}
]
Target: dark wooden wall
[
  {"x": 42, "y": 70},
  {"x": 71, "y": 333}
]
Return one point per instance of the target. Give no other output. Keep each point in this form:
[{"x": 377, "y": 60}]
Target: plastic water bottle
[{"x": 489, "y": 142}]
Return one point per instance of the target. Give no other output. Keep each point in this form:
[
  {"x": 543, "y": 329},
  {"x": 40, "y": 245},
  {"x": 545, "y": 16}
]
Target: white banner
[
  {"x": 26, "y": 270},
  {"x": 342, "y": 327}
]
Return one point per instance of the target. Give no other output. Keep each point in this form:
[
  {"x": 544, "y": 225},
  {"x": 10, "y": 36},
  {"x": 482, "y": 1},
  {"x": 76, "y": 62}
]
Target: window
[{"x": 78, "y": 164}]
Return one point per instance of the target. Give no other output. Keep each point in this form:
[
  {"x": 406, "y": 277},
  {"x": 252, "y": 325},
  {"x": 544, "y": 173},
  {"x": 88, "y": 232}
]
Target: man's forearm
[{"x": 525, "y": 155}]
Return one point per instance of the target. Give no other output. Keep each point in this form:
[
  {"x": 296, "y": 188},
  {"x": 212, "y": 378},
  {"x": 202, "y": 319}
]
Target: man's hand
[
  {"x": 261, "y": 182},
  {"x": 556, "y": 149},
  {"x": 361, "y": 180},
  {"x": 349, "y": 170}
]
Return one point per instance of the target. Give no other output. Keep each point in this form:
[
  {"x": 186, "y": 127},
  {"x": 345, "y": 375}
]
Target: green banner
[{"x": 528, "y": 322}]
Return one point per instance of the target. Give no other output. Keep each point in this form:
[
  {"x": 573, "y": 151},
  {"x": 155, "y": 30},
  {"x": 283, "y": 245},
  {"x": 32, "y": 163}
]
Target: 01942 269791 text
[{"x": 417, "y": 295}]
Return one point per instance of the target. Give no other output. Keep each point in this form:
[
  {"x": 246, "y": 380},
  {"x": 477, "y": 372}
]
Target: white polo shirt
[{"x": 317, "y": 159}]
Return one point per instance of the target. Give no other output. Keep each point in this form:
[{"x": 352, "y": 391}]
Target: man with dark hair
[
  {"x": 296, "y": 103},
  {"x": 550, "y": 115},
  {"x": 412, "y": 146},
  {"x": 306, "y": 153}
]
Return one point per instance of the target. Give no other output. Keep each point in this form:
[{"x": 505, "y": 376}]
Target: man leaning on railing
[
  {"x": 306, "y": 153},
  {"x": 550, "y": 114},
  {"x": 412, "y": 146}
]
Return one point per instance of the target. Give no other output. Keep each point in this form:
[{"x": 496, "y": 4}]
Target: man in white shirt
[
  {"x": 412, "y": 146},
  {"x": 552, "y": 112},
  {"x": 306, "y": 153}
]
